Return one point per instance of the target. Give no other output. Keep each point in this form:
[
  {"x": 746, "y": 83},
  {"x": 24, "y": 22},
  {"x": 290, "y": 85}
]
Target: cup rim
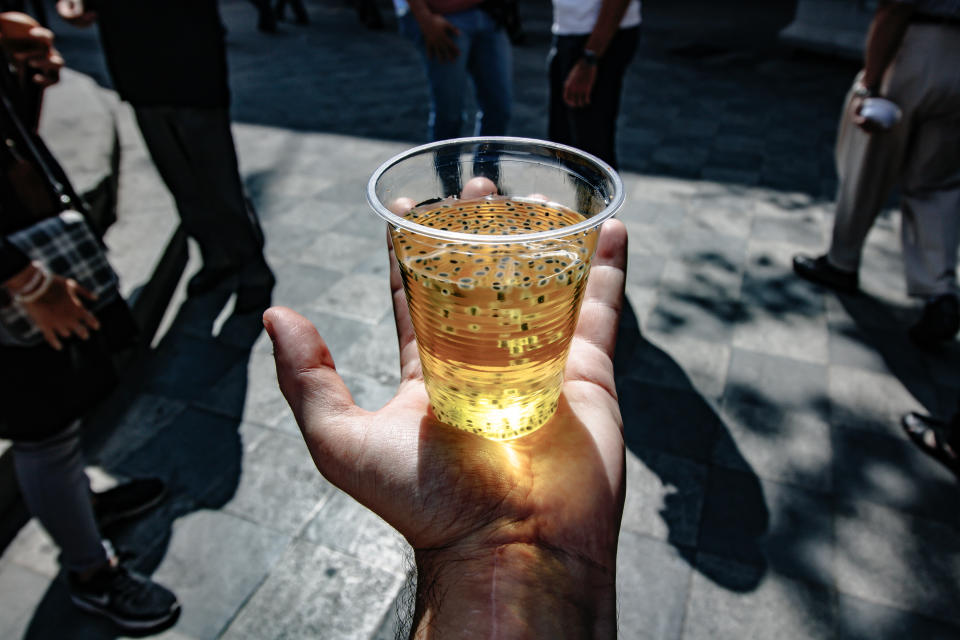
[{"x": 454, "y": 236}]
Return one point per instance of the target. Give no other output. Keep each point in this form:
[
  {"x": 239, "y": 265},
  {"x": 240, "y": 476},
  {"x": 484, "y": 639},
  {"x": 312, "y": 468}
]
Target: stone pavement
[{"x": 770, "y": 494}]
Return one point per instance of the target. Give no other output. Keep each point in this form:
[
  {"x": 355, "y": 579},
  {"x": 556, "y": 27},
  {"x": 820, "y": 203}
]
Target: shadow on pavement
[
  {"x": 176, "y": 415},
  {"x": 674, "y": 431}
]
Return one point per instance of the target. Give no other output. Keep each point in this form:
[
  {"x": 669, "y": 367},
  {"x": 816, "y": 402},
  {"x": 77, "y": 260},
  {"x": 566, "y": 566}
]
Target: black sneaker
[
  {"x": 133, "y": 602},
  {"x": 127, "y": 500}
]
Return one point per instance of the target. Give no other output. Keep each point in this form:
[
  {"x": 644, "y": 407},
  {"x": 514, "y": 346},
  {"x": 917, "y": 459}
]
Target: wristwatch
[{"x": 589, "y": 57}]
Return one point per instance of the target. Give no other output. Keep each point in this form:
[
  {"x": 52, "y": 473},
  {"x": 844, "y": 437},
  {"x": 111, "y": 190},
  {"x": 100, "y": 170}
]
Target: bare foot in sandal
[{"x": 933, "y": 436}]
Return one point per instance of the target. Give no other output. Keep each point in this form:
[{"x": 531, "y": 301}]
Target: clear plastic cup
[{"x": 494, "y": 238}]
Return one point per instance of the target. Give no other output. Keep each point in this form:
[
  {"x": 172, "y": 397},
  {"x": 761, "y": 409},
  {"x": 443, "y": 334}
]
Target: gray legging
[{"x": 57, "y": 492}]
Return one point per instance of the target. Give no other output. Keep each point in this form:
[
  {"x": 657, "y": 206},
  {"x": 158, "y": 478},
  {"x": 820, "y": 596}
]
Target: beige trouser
[{"x": 921, "y": 153}]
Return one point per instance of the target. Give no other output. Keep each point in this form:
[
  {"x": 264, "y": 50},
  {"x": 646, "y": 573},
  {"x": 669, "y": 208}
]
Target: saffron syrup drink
[{"x": 494, "y": 320}]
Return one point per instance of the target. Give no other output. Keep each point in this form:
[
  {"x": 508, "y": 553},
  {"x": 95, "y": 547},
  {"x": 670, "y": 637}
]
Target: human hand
[
  {"x": 438, "y": 37},
  {"x": 510, "y": 535},
  {"x": 30, "y": 48},
  {"x": 58, "y": 312},
  {"x": 76, "y": 13},
  {"x": 579, "y": 85},
  {"x": 879, "y": 120}
]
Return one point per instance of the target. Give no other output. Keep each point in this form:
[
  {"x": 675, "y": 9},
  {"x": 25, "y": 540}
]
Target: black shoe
[
  {"x": 135, "y": 603},
  {"x": 127, "y": 500},
  {"x": 255, "y": 290},
  {"x": 939, "y": 322},
  {"x": 818, "y": 270}
]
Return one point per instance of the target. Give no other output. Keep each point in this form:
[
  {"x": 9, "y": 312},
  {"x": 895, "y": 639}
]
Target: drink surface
[{"x": 494, "y": 320}]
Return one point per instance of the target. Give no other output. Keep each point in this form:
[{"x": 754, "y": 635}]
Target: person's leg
[
  {"x": 56, "y": 491},
  {"x": 447, "y": 81},
  {"x": 930, "y": 225},
  {"x": 194, "y": 153},
  {"x": 867, "y": 165},
  {"x": 563, "y": 54},
  {"x": 490, "y": 64},
  {"x": 169, "y": 152},
  {"x": 594, "y": 126}
]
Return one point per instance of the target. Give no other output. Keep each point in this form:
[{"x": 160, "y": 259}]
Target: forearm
[
  {"x": 883, "y": 40},
  {"x": 420, "y": 10},
  {"x": 607, "y": 25},
  {"x": 514, "y": 591}
]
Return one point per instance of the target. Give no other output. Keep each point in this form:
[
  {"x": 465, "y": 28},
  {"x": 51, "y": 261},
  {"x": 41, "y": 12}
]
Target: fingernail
[{"x": 269, "y": 328}]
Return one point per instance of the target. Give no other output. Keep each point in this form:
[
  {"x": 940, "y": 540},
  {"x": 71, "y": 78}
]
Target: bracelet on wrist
[
  {"x": 863, "y": 91},
  {"x": 589, "y": 58},
  {"x": 37, "y": 286}
]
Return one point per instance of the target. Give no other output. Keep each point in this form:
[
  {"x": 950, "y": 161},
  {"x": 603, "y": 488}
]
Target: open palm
[{"x": 442, "y": 488}]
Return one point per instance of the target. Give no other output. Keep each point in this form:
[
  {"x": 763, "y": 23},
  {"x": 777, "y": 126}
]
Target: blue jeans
[{"x": 486, "y": 57}]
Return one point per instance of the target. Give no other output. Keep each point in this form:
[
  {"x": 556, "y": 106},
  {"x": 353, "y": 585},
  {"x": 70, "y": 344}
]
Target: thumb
[{"x": 306, "y": 372}]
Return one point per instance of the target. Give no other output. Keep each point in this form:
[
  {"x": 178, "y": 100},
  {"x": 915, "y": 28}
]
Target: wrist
[
  {"x": 515, "y": 590},
  {"x": 27, "y": 279},
  {"x": 589, "y": 57},
  {"x": 865, "y": 90}
]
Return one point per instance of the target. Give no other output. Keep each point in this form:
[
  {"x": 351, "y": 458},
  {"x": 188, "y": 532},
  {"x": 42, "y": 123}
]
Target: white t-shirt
[{"x": 577, "y": 17}]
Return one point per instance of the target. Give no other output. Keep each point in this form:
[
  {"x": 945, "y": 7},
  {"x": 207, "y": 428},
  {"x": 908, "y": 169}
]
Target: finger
[
  {"x": 52, "y": 339},
  {"x": 406, "y": 339},
  {"x": 81, "y": 331},
  {"x": 90, "y": 320},
  {"x": 333, "y": 427},
  {"x": 83, "y": 291},
  {"x": 305, "y": 369},
  {"x": 603, "y": 299}
]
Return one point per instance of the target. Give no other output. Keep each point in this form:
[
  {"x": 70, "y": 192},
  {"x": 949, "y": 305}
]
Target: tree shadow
[{"x": 163, "y": 421}]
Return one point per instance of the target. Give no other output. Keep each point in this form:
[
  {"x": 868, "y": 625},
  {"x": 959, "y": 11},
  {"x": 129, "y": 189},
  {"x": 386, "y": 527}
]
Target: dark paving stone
[
  {"x": 768, "y": 525},
  {"x": 862, "y": 620},
  {"x": 184, "y": 367},
  {"x": 249, "y": 391},
  {"x": 669, "y": 420},
  {"x": 892, "y": 471},
  {"x": 664, "y": 497},
  {"x": 207, "y": 461}
]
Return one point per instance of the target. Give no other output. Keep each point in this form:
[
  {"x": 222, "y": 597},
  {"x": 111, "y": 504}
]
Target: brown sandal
[{"x": 929, "y": 434}]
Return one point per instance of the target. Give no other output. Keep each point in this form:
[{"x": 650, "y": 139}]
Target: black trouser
[{"x": 591, "y": 128}]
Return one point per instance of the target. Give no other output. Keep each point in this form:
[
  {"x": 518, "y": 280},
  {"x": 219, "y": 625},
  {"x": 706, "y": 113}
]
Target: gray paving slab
[{"x": 653, "y": 583}]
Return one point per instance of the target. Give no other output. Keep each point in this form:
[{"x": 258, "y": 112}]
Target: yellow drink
[{"x": 494, "y": 320}]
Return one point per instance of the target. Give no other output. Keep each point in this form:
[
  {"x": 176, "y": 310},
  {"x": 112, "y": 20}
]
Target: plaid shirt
[{"x": 68, "y": 248}]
